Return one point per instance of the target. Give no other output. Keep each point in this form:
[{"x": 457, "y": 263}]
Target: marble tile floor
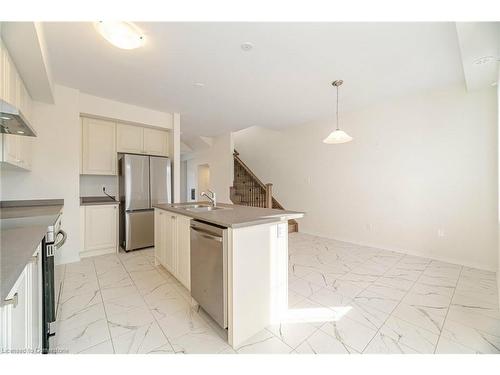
[{"x": 343, "y": 298}]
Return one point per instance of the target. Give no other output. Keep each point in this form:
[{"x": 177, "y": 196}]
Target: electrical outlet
[
  {"x": 369, "y": 227},
  {"x": 441, "y": 233},
  {"x": 281, "y": 231}
]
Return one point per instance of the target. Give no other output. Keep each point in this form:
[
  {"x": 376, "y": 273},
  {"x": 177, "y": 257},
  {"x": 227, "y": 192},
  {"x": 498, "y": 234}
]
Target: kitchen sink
[{"x": 200, "y": 208}]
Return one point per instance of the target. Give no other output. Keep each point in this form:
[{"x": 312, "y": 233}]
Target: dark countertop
[
  {"x": 23, "y": 224},
  {"x": 93, "y": 201},
  {"x": 234, "y": 216}
]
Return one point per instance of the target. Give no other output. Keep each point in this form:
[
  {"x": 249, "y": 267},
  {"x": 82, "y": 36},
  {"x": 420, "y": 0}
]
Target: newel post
[{"x": 269, "y": 195}]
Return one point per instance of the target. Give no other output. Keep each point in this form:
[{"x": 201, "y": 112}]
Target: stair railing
[{"x": 252, "y": 195}]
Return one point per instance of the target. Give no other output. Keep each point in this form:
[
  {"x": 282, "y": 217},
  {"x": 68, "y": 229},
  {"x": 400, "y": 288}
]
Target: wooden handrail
[
  {"x": 256, "y": 193},
  {"x": 254, "y": 177}
]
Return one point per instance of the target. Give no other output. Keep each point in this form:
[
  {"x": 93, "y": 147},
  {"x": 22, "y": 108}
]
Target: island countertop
[
  {"x": 23, "y": 224},
  {"x": 232, "y": 216}
]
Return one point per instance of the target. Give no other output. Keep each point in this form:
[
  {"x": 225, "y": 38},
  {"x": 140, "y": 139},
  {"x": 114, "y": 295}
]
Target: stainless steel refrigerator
[{"x": 143, "y": 182}]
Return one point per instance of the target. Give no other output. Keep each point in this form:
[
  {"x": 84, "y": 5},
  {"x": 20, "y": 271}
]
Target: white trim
[
  {"x": 414, "y": 253},
  {"x": 93, "y": 253}
]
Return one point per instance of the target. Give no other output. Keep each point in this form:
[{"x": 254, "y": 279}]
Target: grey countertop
[
  {"x": 23, "y": 224},
  {"x": 233, "y": 216},
  {"x": 99, "y": 200}
]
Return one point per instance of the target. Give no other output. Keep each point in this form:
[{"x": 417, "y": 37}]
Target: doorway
[{"x": 203, "y": 180}]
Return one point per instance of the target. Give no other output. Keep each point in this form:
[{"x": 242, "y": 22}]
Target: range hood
[{"x": 12, "y": 121}]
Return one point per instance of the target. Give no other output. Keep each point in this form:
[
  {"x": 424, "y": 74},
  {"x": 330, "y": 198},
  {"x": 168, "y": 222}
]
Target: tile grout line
[
  {"x": 352, "y": 298},
  {"x": 390, "y": 314},
  {"x": 142, "y": 297},
  {"x": 104, "y": 307},
  {"x": 448, "y": 310},
  {"x": 428, "y": 265}
]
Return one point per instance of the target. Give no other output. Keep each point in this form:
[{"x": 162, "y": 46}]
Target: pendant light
[{"x": 337, "y": 136}]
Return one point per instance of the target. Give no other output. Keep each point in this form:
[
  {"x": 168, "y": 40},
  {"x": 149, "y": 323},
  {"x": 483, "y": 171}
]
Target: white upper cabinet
[
  {"x": 140, "y": 140},
  {"x": 24, "y": 102},
  {"x": 155, "y": 142},
  {"x": 8, "y": 78},
  {"x": 12, "y": 88},
  {"x": 129, "y": 138},
  {"x": 98, "y": 147},
  {"x": 14, "y": 149}
]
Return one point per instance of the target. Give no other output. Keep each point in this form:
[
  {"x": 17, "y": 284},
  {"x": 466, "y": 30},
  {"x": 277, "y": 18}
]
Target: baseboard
[
  {"x": 409, "y": 252},
  {"x": 94, "y": 253}
]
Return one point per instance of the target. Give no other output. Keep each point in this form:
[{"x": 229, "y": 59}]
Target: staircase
[{"x": 248, "y": 190}]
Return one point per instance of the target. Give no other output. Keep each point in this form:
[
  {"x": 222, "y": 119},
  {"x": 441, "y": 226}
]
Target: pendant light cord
[{"x": 337, "y": 107}]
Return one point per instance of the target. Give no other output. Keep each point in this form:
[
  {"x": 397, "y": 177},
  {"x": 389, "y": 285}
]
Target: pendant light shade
[{"x": 337, "y": 136}]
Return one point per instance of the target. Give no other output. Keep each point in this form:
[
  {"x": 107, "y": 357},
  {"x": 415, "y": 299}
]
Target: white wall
[
  {"x": 183, "y": 181},
  {"x": 91, "y": 186},
  {"x": 55, "y": 166},
  {"x": 498, "y": 185},
  {"x": 416, "y": 166},
  {"x": 94, "y": 105},
  {"x": 219, "y": 157}
]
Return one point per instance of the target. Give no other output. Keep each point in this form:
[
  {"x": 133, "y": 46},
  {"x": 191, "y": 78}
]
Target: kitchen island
[{"x": 255, "y": 259}]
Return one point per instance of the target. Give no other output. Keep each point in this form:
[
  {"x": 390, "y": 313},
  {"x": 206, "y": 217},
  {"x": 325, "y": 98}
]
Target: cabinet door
[
  {"x": 24, "y": 100},
  {"x": 169, "y": 243},
  {"x": 35, "y": 337},
  {"x": 160, "y": 225},
  {"x": 13, "y": 79},
  {"x": 184, "y": 251},
  {"x": 11, "y": 149},
  {"x": 19, "y": 315},
  {"x": 2, "y": 79},
  {"x": 25, "y": 152},
  {"x": 6, "y": 76},
  {"x": 98, "y": 147},
  {"x": 16, "y": 150},
  {"x": 100, "y": 228},
  {"x": 155, "y": 142},
  {"x": 129, "y": 138}
]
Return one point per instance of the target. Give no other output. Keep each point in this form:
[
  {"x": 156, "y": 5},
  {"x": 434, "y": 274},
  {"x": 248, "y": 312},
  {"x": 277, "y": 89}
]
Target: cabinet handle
[
  {"x": 34, "y": 259},
  {"x": 11, "y": 301}
]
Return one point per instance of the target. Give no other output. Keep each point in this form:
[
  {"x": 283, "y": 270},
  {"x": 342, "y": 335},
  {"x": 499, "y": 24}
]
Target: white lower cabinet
[
  {"x": 184, "y": 250},
  {"x": 172, "y": 244},
  {"x": 99, "y": 229},
  {"x": 20, "y": 312}
]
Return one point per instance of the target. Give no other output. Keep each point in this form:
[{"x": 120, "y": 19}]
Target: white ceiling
[
  {"x": 285, "y": 80},
  {"x": 477, "y": 40}
]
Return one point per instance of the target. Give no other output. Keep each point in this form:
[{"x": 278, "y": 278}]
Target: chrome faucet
[{"x": 212, "y": 198}]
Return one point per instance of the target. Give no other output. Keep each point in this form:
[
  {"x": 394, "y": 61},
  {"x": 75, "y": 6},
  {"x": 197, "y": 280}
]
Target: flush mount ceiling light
[
  {"x": 124, "y": 35},
  {"x": 337, "y": 136}
]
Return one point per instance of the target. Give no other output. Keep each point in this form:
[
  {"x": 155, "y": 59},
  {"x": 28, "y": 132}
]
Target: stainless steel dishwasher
[{"x": 209, "y": 269}]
